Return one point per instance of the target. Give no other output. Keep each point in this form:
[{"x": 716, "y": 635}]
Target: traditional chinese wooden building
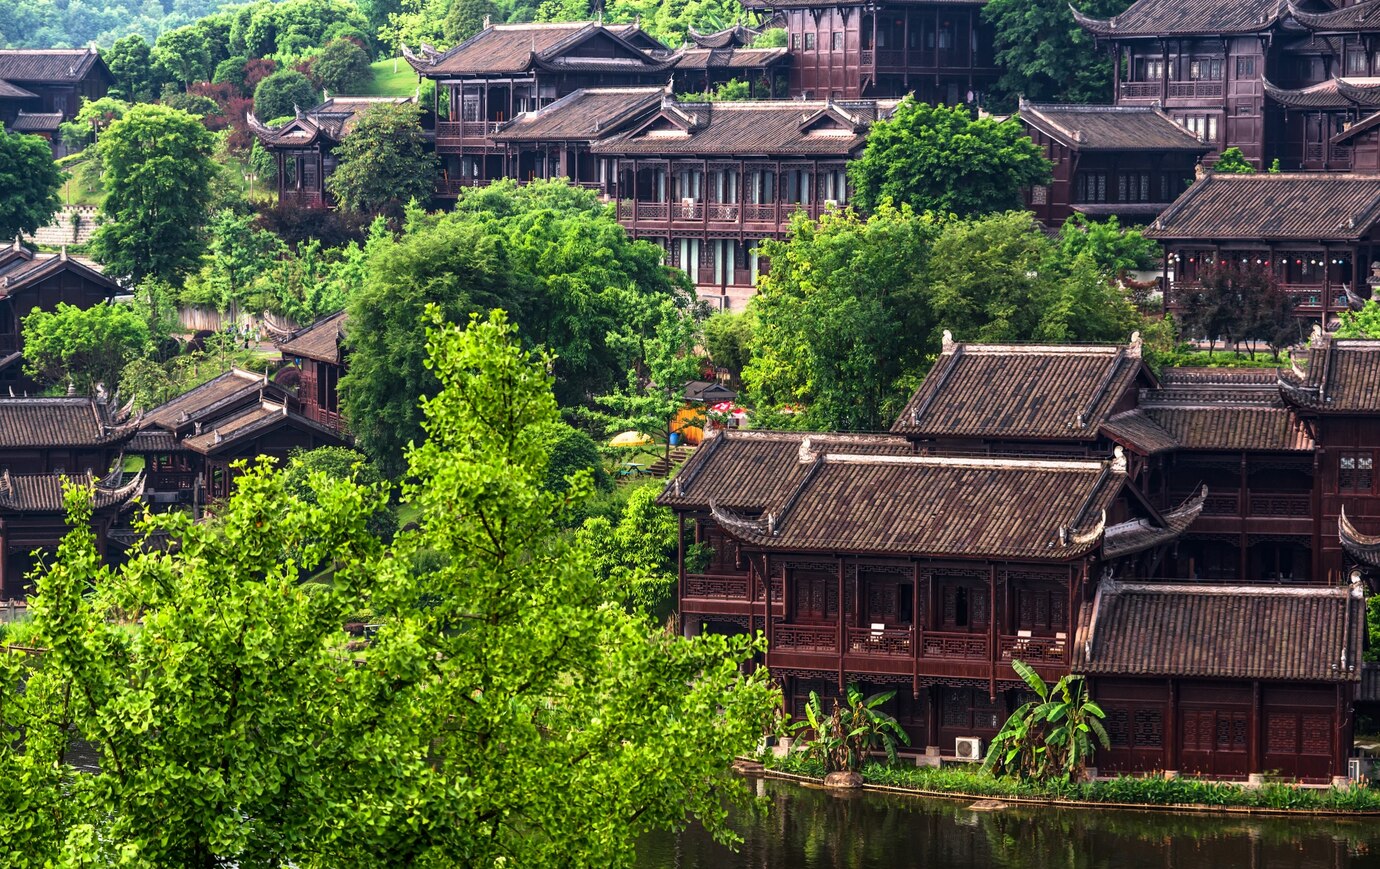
[
  {"x": 49, "y": 81},
  {"x": 31, "y": 280},
  {"x": 507, "y": 69},
  {"x": 1053, "y": 504},
  {"x": 1130, "y": 162},
  {"x": 699, "y": 70},
  {"x": 848, "y": 49},
  {"x": 303, "y": 148},
  {"x": 709, "y": 181},
  {"x": 1316, "y": 232},
  {"x": 191, "y": 443},
  {"x": 46, "y": 443},
  {"x": 317, "y": 351}
]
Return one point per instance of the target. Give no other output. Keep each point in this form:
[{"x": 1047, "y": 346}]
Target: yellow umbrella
[{"x": 630, "y": 439}]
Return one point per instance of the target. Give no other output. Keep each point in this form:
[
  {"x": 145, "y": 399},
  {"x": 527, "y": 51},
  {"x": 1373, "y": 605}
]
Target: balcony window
[
  {"x": 837, "y": 41},
  {"x": 1090, "y": 187},
  {"x": 1355, "y": 63},
  {"x": 1356, "y": 472},
  {"x": 1245, "y": 67},
  {"x": 946, "y": 35},
  {"x": 795, "y": 42},
  {"x": 809, "y": 42},
  {"x": 1205, "y": 69}
]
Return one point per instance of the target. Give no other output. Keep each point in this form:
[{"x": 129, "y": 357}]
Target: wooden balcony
[
  {"x": 452, "y": 135},
  {"x": 1307, "y": 299},
  {"x": 1228, "y": 502},
  {"x": 1141, "y": 90},
  {"x": 716, "y": 587},
  {"x": 888, "y": 642},
  {"x": 1178, "y": 90},
  {"x": 719, "y": 216},
  {"x": 949, "y": 645},
  {"x": 302, "y": 198},
  {"x": 1034, "y": 650}
]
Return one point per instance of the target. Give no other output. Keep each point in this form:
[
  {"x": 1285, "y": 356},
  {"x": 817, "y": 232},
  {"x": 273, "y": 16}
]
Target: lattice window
[
  {"x": 955, "y": 711},
  {"x": 1317, "y": 734},
  {"x": 1281, "y": 733},
  {"x": 1118, "y": 726},
  {"x": 1149, "y": 731},
  {"x": 1356, "y": 471}
]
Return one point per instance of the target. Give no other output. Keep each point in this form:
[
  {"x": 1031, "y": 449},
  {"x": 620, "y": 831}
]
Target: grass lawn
[
  {"x": 75, "y": 192},
  {"x": 392, "y": 78}
]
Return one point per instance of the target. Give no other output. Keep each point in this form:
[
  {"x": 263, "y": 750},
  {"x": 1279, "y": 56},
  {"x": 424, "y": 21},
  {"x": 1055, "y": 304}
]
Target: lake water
[{"x": 807, "y": 828}]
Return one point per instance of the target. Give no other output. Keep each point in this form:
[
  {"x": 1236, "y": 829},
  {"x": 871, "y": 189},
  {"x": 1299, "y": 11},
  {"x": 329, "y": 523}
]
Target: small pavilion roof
[
  {"x": 1335, "y": 93},
  {"x": 331, "y": 120},
  {"x": 36, "y": 122},
  {"x": 11, "y": 91},
  {"x": 1111, "y": 128},
  {"x": 320, "y": 340},
  {"x": 1149, "y": 18},
  {"x": 231, "y": 431},
  {"x": 731, "y": 58},
  {"x": 213, "y": 398},
  {"x": 1365, "y": 548},
  {"x": 1313, "y": 206},
  {"x": 21, "y": 269},
  {"x": 737, "y": 36},
  {"x": 1308, "y": 634},
  {"x": 63, "y": 422},
  {"x": 1016, "y": 391}
]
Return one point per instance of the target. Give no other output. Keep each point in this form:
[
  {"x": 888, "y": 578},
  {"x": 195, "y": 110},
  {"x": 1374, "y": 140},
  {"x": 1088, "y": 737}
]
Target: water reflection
[{"x": 805, "y": 828}]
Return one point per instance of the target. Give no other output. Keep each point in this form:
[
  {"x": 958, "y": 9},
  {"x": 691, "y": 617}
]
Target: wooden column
[
  {"x": 1164, "y": 73},
  {"x": 915, "y": 630},
  {"x": 1254, "y": 735},
  {"x": 1242, "y": 502},
  {"x": 991, "y": 631},
  {"x": 5, "y": 592},
  {"x": 840, "y": 630},
  {"x": 1171, "y": 729},
  {"x": 680, "y": 568}
]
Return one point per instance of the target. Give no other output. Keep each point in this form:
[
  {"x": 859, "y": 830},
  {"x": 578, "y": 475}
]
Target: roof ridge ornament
[
  {"x": 946, "y": 342},
  {"x": 1118, "y": 460},
  {"x": 1136, "y": 346}
]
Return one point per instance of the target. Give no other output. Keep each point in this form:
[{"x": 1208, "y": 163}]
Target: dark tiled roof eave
[
  {"x": 1111, "y": 128},
  {"x": 1150, "y": 18},
  {"x": 1235, "y": 632},
  {"x": 1268, "y": 206},
  {"x": 47, "y": 66},
  {"x": 320, "y": 340},
  {"x": 584, "y": 115}
]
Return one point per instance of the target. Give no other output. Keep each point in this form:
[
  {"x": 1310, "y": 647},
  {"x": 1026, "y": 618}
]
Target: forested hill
[{"x": 74, "y": 23}]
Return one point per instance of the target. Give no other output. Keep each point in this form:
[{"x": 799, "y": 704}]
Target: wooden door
[
  {"x": 1213, "y": 742},
  {"x": 814, "y": 597}
]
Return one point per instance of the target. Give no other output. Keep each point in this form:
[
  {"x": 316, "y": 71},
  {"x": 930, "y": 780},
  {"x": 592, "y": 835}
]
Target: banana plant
[
  {"x": 1053, "y": 736},
  {"x": 842, "y": 739}
]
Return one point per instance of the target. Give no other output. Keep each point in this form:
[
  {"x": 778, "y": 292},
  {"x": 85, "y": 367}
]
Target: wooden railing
[
  {"x": 455, "y": 130},
  {"x": 893, "y": 642},
  {"x": 1291, "y": 504},
  {"x": 866, "y": 57},
  {"x": 1034, "y": 650},
  {"x": 300, "y": 198},
  {"x": 805, "y": 638},
  {"x": 1139, "y": 90},
  {"x": 721, "y": 587},
  {"x": 937, "y": 644},
  {"x": 1195, "y": 89}
]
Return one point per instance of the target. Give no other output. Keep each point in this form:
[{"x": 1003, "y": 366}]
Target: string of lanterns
[{"x": 1174, "y": 257}]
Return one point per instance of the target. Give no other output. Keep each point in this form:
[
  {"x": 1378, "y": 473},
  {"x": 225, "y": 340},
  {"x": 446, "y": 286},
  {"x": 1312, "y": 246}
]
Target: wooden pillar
[
  {"x": 915, "y": 630},
  {"x": 1171, "y": 729},
  {"x": 1327, "y": 283},
  {"x": 1341, "y": 738},
  {"x": 1254, "y": 733},
  {"x": 5, "y": 593},
  {"x": 1164, "y": 73},
  {"x": 992, "y": 632},
  {"x": 680, "y": 566},
  {"x": 633, "y": 197},
  {"x": 840, "y": 630},
  {"x": 1242, "y": 503}
]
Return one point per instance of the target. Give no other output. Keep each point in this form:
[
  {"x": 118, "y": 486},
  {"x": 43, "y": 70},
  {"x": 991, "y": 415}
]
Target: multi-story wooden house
[
  {"x": 31, "y": 280},
  {"x": 709, "y": 181},
  {"x": 848, "y": 49},
  {"x": 1125, "y": 161},
  {"x": 1315, "y": 232},
  {"x": 303, "y": 147},
  {"x": 46, "y": 443},
  {"x": 1057, "y": 505},
  {"x": 316, "y": 350},
  {"x": 49, "y": 81},
  {"x": 507, "y": 69}
]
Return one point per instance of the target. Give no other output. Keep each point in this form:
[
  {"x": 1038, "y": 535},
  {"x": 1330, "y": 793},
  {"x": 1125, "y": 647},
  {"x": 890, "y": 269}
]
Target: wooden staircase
[{"x": 663, "y": 466}]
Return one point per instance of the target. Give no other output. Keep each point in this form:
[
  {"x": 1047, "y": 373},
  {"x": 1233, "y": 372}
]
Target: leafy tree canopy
[
  {"x": 82, "y": 346},
  {"x": 1364, "y": 323},
  {"x": 937, "y": 158},
  {"x": 465, "y": 18},
  {"x": 342, "y": 67},
  {"x": 1233, "y": 162},
  {"x": 31, "y": 182},
  {"x": 1045, "y": 56},
  {"x": 282, "y": 93},
  {"x": 384, "y": 162},
  {"x": 131, "y": 65},
  {"x": 158, "y": 173}
]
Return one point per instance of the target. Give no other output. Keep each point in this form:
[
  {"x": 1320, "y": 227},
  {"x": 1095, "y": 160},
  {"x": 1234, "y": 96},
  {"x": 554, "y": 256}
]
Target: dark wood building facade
[
  {"x": 45, "y": 443},
  {"x": 317, "y": 352},
  {"x": 1051, "y": 504},
  {"x": 31, "y": 280},
  {"x": 304, "y": 147},
  {"x": 49, "y": 81},
  {"x": 1130, "y": 162},
  {"x": 940, "y": 51},
  {"x": 1316, "y": 233}
]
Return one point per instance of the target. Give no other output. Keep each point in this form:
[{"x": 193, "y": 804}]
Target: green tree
[
  {"x": 384, "y": 162},
  {"x": 939, "y": 159},
  {"x": 1233, "y": 162},
  {"x": 1053, "y": 736},
  {"x": 454, "y": 265},
  {"x": 300, "y": 480},
  {"x": 182, "y": 55},
  {"x": 635, "y": 557},
  {"x": 665, "y": 360},
  {"x": 238, "y": 254},
  {"x": 131, "y": 66},
  {"x": 843, "y": 319},
  {"x": 728, "y": 339},
  {"x": 999, "y": 279},
  {"x": 465, "y": 18},
  {"x": 1113, "y": 248},
  {"x": 82, "y": 346},
  {"x": 342, "y": 67},
  {"x": 158, "y": 174},
  {"x": 31, "y": 182},
  {"x": 1364, "y": 323},
  {"x": 231, "y": 71},
  {"x": 91, "y": 118},
  {"x": 283, "y": 93},
  {"x": 572, "y": 451},
  {"x": 1045, "y": 56},
  {"x": 772, "y": 37}
]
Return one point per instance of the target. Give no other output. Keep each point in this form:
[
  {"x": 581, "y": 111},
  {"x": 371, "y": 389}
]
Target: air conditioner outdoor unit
[
  {"x": 1356, "y": 768},
  {"x": 831, "y": 203},
  {"x": 968, "y": 748}
]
